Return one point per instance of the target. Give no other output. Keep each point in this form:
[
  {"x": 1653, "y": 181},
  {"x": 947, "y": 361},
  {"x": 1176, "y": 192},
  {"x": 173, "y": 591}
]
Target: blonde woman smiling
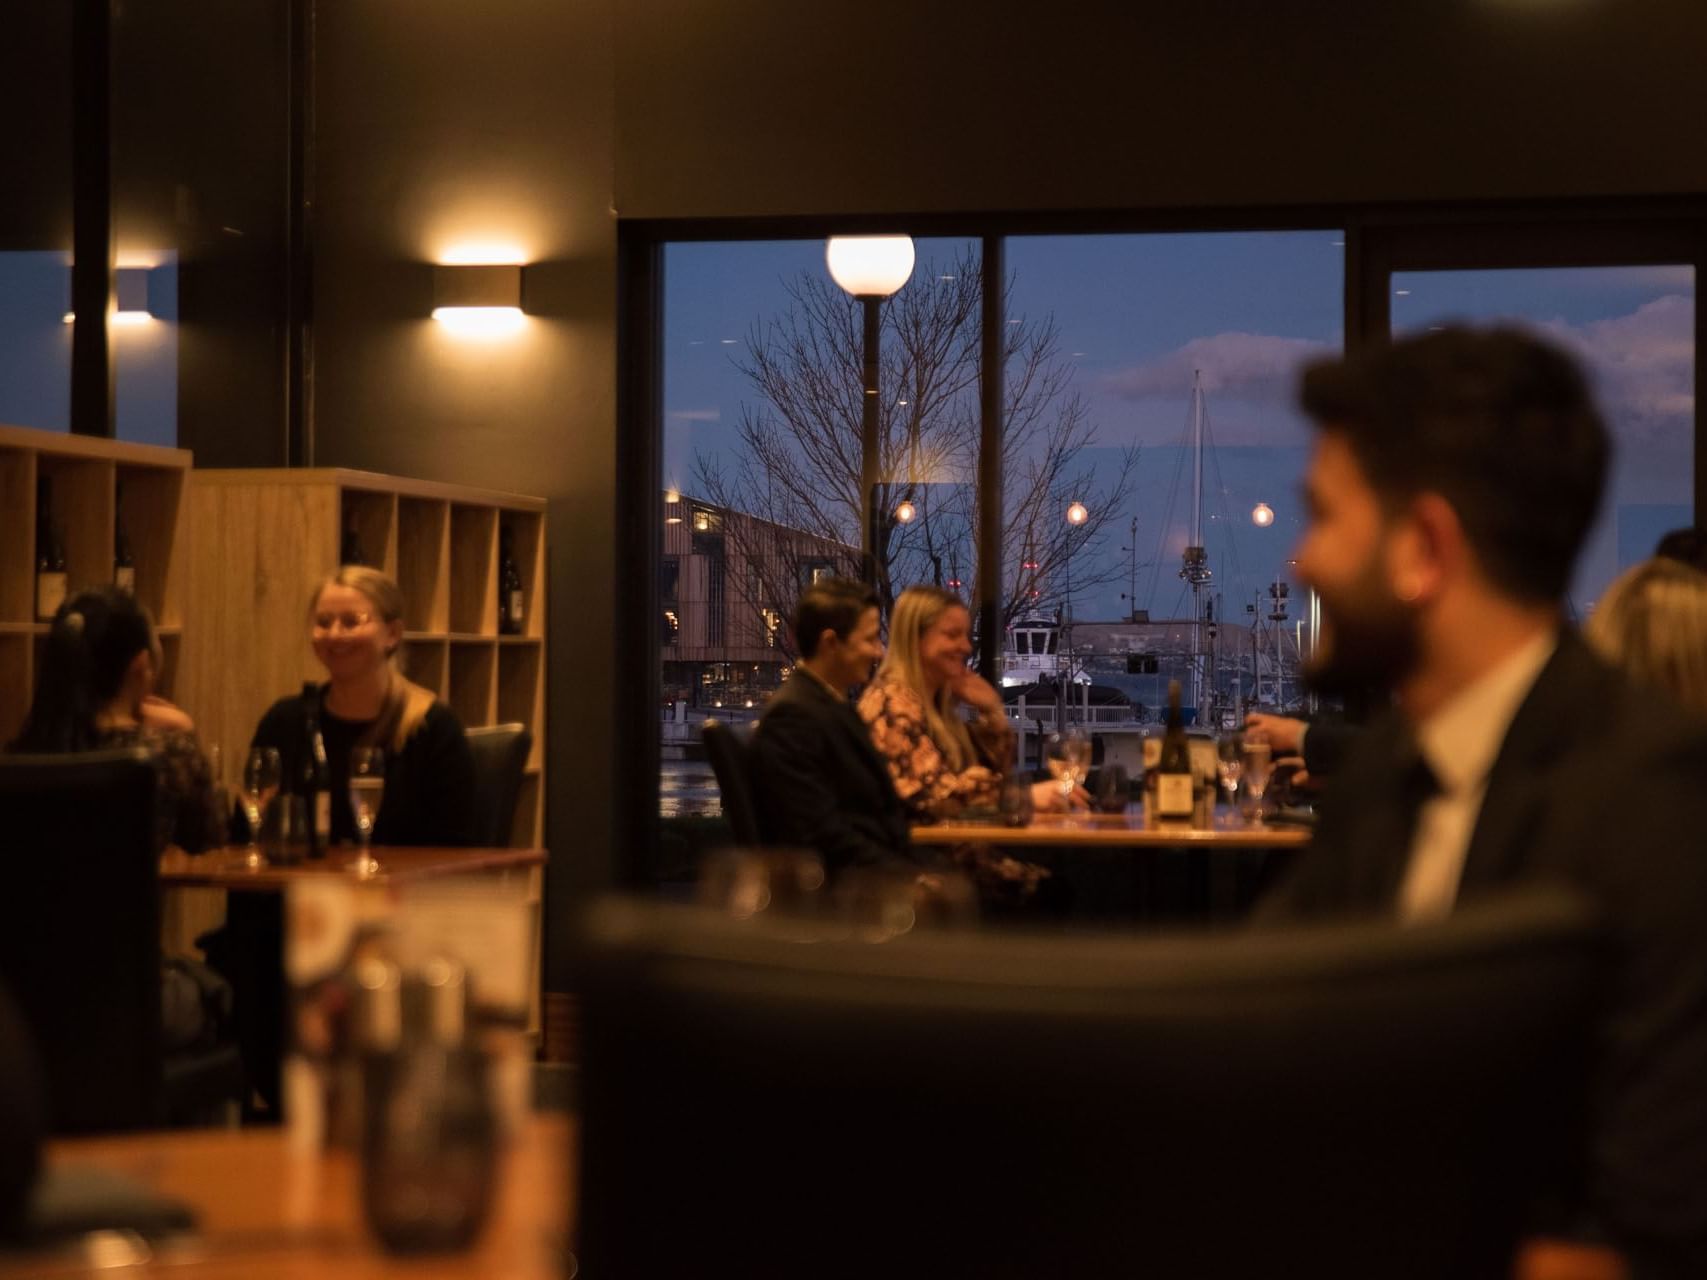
[{"x": 941, "y": 761}]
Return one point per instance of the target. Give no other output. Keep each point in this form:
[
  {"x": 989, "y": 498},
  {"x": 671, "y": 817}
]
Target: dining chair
[
  {"x": 500, "y": 759},
  {"x": 1334, "y": 1102},
  {"x": 731, "y": 761},
  {"x": 80, "y": 931}
]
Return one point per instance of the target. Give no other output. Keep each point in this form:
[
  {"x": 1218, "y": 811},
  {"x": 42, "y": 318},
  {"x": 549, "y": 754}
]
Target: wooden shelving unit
[
  {"x": 263, "y": 538},
  {"x": 88, "y": 475}
]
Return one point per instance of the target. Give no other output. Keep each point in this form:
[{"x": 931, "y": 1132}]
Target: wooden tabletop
[
  {"x": 1117, "y": 830},
  {"x": 228, "y": 868},
  {"x": 267, "y": 1211}
]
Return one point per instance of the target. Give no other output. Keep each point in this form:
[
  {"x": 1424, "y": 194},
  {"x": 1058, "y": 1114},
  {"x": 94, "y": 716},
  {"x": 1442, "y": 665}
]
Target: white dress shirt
[{"x": 1459, "y": 743}]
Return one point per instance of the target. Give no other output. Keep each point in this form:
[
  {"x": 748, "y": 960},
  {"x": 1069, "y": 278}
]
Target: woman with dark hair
[{"x": 96, "y": 690}]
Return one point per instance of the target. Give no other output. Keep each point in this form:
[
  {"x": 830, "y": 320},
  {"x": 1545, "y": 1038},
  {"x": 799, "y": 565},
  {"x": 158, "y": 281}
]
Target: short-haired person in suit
[
  {"x": 817, "y": 780},
  {"x": 1453, "y": 480}
]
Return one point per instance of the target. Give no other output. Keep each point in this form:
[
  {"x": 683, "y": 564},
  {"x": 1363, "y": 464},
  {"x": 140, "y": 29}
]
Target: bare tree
[{"x": 797, "y": 464}]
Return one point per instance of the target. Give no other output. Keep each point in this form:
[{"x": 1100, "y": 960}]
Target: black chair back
[
  {"x": 500, "y": 757},
  {"x": 1334, "y": 1103},
  {"x": 80, "y": 931},
  {"x": 731, "y": 761}
]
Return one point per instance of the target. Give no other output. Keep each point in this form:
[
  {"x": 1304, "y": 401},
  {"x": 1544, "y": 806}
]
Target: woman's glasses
[{"x": 345, "y": 621}]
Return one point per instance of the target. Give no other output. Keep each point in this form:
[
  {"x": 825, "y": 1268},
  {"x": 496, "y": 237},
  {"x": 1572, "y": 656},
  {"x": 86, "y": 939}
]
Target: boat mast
[{"x": 1195, "y": 569}]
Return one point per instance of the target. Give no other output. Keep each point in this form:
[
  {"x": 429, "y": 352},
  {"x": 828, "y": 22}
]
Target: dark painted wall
[
  {"x": 464, "y": 125},
  {"x": 764, "y": 107}
]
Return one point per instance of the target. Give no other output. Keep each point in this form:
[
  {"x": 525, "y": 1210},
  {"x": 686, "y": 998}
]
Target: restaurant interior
[{"x": 325, "y": 175}]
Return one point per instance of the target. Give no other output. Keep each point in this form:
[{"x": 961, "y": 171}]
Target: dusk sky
[{"x": 1138, "y": 314}]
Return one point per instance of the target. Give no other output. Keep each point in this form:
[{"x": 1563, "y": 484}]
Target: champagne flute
[
  {"x": 261, "y": 775},
  {"x": 1259, "y": 764},
  {"x": 1068, "y": 757},
  {"x": 1230, "y": 765},
  {"x": 367, "y": 790}
]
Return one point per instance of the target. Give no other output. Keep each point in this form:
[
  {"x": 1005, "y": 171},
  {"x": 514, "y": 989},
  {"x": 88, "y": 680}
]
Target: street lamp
[
  {"x": 1262, "y": 515},
  {"x": 906, "y": 512},
  {"x": 870, "y": 268},
  {"x": 1077, "y": 514}
]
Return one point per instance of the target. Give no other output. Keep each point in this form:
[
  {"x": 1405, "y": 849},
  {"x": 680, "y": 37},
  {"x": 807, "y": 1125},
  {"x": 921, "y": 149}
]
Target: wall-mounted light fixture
[
  {"x": 478, "y": 300},
  {"x": 131, "y": 294}
]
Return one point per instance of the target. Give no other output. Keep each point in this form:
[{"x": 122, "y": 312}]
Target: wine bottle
[
  {"x": 315, "y": 777},
  {"x": 512, "y": 607},
  {"x": 50, "y": 555},
  {"x": 350, "y": 549},
  {"x": 124, "y": 565},
  {"x": 1175, "y": 800}
]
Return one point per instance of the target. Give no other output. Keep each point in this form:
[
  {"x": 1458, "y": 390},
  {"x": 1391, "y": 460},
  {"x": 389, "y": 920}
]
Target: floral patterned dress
[
  {"x": 931, "y": 790},
  {"x": 187, "y": 810}
]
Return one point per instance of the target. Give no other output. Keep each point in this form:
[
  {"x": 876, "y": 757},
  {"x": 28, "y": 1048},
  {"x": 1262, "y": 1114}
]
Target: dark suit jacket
[
  {"x": 1326, "y": 747},
  {"x": 1600, "y": 786},
  {"x": 819, "y": 783}
]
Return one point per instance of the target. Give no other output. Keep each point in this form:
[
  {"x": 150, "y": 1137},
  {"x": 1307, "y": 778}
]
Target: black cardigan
[{"x": 430, "y": 794}]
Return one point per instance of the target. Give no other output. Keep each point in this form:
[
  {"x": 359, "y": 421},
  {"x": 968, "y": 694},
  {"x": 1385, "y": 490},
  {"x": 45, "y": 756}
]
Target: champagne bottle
[
  {"x": 315, "y": 777},
  {"x": 124, "y": 565},
  {"x": 512, "y": 607},
  {"x": 50, "y": 555},
  {"x": 1175, "y": 798}
]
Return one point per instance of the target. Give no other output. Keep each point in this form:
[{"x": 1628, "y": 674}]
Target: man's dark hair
[
  {"x": 830, "y": 604},
  {"x": 1687, "y": 545},
  {"x": 1498, "y": 422}
]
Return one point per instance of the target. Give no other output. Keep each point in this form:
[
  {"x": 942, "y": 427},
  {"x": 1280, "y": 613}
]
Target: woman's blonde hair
[
  {"x": 1652, "y": 622},
  {"x": 406, "y": 703},
  {"x": 915, "y": 613}
]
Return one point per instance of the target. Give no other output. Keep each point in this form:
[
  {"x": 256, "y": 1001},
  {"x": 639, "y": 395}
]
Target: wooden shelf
[
  {"x": 86, "y": 475},
  {"x": 263, "y": 538}
]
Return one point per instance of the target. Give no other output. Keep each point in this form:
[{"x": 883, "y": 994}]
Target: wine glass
[
  {"x": 1068, "y": 757},
  {"x": 367, "y": 789},
  {"x": 1230, "y": 764},
  {"x": 261, "y": 775},
  {"x": 1259, "y": 764}
]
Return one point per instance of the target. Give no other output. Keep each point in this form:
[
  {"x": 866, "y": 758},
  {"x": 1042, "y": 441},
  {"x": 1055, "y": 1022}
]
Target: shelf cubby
[
  {"x": 425, "y": 662},
  {"x": 521, "y": 693},
  {"x": 152, "y": 498},
  {"x": 423, "y": 563},
  {"x": 374, "y": 515},
  {"x": 17, "y": 535},
  {"x": 473, "y": 570},
  {"x": 473, "y": 681}
]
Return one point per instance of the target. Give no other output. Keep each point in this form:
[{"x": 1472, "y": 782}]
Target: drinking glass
[
  {"x": 367, "y": 790},
  {"x": 260, "y": 784},
  {"x": 1259, "y": 764},
  {"x": 1230, "y": 765},
  {"x": 1068, "y": 757}
]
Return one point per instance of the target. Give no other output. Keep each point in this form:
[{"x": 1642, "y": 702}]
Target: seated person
[
  {"x": 1687, "y": 546},
  {"x": 817, "y": 782},
  {"x": 355, "y": 627},
  {"x": 1652, "y": 623},
  {"x": 95, "y": 690},
  {"x": 941, "y": 763},
  {"x": 1453, "y": 481}
]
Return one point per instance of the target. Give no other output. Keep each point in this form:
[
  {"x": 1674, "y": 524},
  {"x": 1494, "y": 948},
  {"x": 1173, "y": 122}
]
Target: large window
[{"x": 1633, "y": 328}]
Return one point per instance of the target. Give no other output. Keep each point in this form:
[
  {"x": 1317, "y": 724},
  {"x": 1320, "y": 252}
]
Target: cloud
[
  {"x": 1643, "y": 363},
  {"x": 1257, "y": 367},
  {"x": 696, "y": 415}
]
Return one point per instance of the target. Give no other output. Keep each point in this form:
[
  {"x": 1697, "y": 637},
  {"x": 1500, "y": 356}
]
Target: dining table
[
  {"x": 233, "y": 869},
  {"x": 265, "y": 1207},
  {"x": 1122, "y": 867}
]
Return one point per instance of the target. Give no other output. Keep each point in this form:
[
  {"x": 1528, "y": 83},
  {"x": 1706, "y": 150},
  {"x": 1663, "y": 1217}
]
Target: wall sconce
[
  {"x": 480, "y": 300},
  {"x": 131, "y": 294}
]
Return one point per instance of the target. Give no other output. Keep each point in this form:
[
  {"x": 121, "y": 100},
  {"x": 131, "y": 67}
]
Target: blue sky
[{"x": 1138, "y": 315}]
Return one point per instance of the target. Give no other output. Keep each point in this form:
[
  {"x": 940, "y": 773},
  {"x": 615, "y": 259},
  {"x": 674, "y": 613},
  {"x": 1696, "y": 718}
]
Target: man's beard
[{"x": 1368, "y": 642}]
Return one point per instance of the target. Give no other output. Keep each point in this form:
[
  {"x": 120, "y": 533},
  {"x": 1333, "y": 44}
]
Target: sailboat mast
[{"x": 1197, "y": 541}]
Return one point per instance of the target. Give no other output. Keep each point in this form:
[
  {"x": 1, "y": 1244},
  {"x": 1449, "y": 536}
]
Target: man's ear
[
  {"x": 1429, "y": 550},
  {"x": 826, "y": 636}
]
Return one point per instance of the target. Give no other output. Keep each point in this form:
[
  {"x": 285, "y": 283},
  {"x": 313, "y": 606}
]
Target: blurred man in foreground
[{"x": 1453, "y": 481}]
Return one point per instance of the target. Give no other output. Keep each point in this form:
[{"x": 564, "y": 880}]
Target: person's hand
[
  {"x": 1046, "y": 797},
  {"x": 972, "y": 688},
  {"x": 158, "y": 714},
  {"x": 1285, "y": 735}
]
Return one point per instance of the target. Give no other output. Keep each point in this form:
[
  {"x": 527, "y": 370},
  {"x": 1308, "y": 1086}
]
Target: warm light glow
[
  {"x": 470, "y": 253},
  {"x": 481, "y": 322},
  {"x": 869, "y": 266},
  {"x": 1077, "y": 514},
  {"x": 906, "y": 512},
  {"x": 129, "y": 319},
  {"x": 1262, "y": 515}
]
